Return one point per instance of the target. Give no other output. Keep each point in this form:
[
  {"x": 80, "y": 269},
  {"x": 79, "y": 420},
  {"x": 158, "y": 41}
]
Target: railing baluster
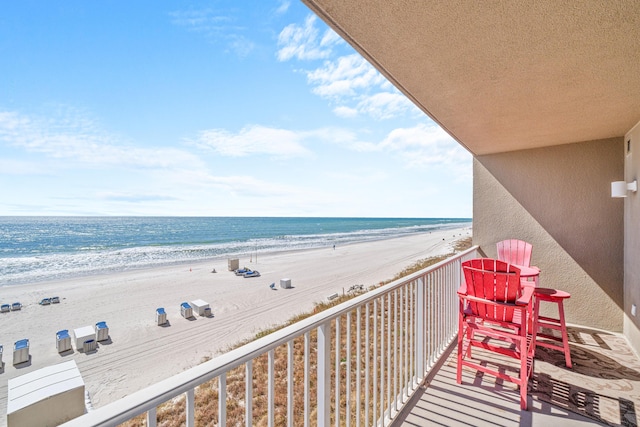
[
  {"x": 374, "y": 364},
  {"x": 403, "y": 342},
  {"x": 348, "y": 373},
  {"x": 270, "y": 395},
  {"x": 388, "y": 370},
  {"x": 431, "y": 318},
  {"x": 396, "y": 369},
  {"x": 290, "y": 401},
  {"x": 358, "y": 364},
  {"x": 337, "y": 368},
  {"x": 382, "y": 319},
  {"x": 420, "y": 332},
  {"x": 248, "y": 394},
  {"x": 366, "y": 365},
  {"x": 222, "y": 400},
  {"x": 152, "y": 417},
  {"x": 191, "y": 407},
  {"x": 324, "y": 375},
  {"x": 307, "y": 338}
]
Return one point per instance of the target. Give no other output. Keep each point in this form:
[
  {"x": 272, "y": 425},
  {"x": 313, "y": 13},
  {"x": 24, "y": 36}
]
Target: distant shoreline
[{"x": 52, "y": 267}]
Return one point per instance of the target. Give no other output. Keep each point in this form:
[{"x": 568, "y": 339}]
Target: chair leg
[
  {"x": 557, "y": 297},
  {"x": 461, "y": 333},
  {"x": 565, "y": 337}
]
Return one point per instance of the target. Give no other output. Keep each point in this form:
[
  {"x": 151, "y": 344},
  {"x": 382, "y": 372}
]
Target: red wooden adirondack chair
[
  {"x": 494, "y": 307},
  {"x": 515, "y": 251}
]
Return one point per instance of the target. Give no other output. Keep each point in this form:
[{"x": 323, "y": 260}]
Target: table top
[{"x": 527, "y": 271}]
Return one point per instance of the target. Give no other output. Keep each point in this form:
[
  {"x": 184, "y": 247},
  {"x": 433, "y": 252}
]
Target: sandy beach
[{"x": 140, "y": 353}]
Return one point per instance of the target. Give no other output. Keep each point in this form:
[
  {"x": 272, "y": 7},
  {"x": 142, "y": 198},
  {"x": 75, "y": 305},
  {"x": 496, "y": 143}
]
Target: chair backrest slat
[
  {"x": 515, "y": 251},
  {"x": 493, "y": 280}
]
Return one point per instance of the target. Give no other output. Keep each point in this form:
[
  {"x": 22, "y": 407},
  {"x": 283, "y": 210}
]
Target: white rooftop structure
[{"x": 46, "y": 397}]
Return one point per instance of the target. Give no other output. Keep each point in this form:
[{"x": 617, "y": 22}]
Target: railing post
[
  {"x": 222, "y": 400},
  {"x": 420, "y": 332},
  {"x": 307, "y": 409},
  {"x": 248, "y": 394},
  {"x": 191, "y": 406},
  {"x": 271, "y": 385},
  {"x": 152, "y": 417},
  {"x": 290, "y": 384},
  {"x": 324, "y": 374}
]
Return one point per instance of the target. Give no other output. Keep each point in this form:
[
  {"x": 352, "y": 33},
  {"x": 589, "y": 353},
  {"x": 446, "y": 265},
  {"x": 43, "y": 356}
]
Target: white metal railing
[{"x": 385, "y": 342}]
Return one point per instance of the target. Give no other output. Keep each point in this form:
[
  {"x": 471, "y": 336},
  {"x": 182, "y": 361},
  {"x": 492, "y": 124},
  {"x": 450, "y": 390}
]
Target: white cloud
[
  {"x": 283, "y": 7},
  {"x": 348, "y": 81},
  {"x": 346, "y": 112},
  {"x": 72, "y": 136},
  {"x": 20, "y": 167},
  {"x": 253, "y": 140},
  {"x": 424, "y": 145},
  {"x": 385, "y": 105},
  {"x": 344, "y": 76},
  {"x": 134, "y": 197},
  {"x": 215, "y": 26},
  {"x": 204, "y": 21},
  {"x": 304, "y": 42}
]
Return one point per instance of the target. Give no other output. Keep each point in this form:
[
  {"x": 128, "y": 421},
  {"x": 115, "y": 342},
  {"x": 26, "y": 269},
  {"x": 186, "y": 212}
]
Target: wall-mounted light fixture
[{"x": 620, "y": 188}]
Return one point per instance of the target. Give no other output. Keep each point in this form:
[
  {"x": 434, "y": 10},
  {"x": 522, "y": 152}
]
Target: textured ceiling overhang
[{"x": 504, "y": 75}]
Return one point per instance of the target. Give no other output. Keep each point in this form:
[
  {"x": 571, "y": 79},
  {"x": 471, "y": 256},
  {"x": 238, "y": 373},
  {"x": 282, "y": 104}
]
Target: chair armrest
[{"x": 525, "y": 298}]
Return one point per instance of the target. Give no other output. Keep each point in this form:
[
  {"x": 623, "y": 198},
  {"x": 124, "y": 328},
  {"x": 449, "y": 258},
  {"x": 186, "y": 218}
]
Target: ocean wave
[{"x": 59, "y": 261}]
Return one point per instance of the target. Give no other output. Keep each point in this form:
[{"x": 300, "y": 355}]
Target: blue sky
[{"x": 216, "y": 108}]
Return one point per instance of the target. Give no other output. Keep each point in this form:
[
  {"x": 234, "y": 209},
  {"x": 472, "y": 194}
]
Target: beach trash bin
[
  {"x": 161, "y": 316},
  {"x": 185, "y": 310},
  {"x": 207, "y": 312},
  {"x": 102, "y": 331},
  {"x": 285, "y": 283},
  {"x": 21, "y": 351},
  {"x": 63, "y": 340},
  {"x": 89, "y": 345}
]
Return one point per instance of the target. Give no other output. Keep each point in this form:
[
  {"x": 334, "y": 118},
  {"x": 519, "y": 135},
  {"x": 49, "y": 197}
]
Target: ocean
[{"x": 35, "y": 249}]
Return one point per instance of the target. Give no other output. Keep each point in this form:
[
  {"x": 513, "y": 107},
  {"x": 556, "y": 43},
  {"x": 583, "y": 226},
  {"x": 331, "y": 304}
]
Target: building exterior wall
[
  {"x": 559, "y": 199},
  {"x": 632, "y": 237}
]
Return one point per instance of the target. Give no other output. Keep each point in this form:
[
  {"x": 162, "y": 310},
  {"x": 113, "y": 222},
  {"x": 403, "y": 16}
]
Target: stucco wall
[
  {"x": 559, "y": 199},
  {"x": 632, "y": 237}
]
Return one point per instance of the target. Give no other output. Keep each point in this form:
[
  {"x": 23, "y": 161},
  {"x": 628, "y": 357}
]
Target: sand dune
[{"x": 139, "y": 353}]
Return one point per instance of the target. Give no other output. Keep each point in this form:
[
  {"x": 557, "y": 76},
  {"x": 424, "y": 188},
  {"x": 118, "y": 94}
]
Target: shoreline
[
  {"x": 139, "y": 353},
  {"x": 108, "y": 271}
]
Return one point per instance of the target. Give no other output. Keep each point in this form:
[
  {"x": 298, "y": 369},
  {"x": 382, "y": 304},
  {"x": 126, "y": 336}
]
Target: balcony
[{"x": 386, "y": 357}]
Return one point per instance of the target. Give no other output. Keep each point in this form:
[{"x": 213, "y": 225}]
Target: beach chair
[
  {"x": 186, "y": 310},
  {"x": 493, "y": 314},
  {"x": 102, "y": 331},
  {"x": 63, "y": 341},
  {"x": 16, "y": 306},
  {"x": 21, "y": 351},
  {"x": 161, "y": 316},
  {"x": 4, "y": 308}
]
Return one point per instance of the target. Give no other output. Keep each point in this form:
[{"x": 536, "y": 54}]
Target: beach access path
[{"x": 139, "y": 353}]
